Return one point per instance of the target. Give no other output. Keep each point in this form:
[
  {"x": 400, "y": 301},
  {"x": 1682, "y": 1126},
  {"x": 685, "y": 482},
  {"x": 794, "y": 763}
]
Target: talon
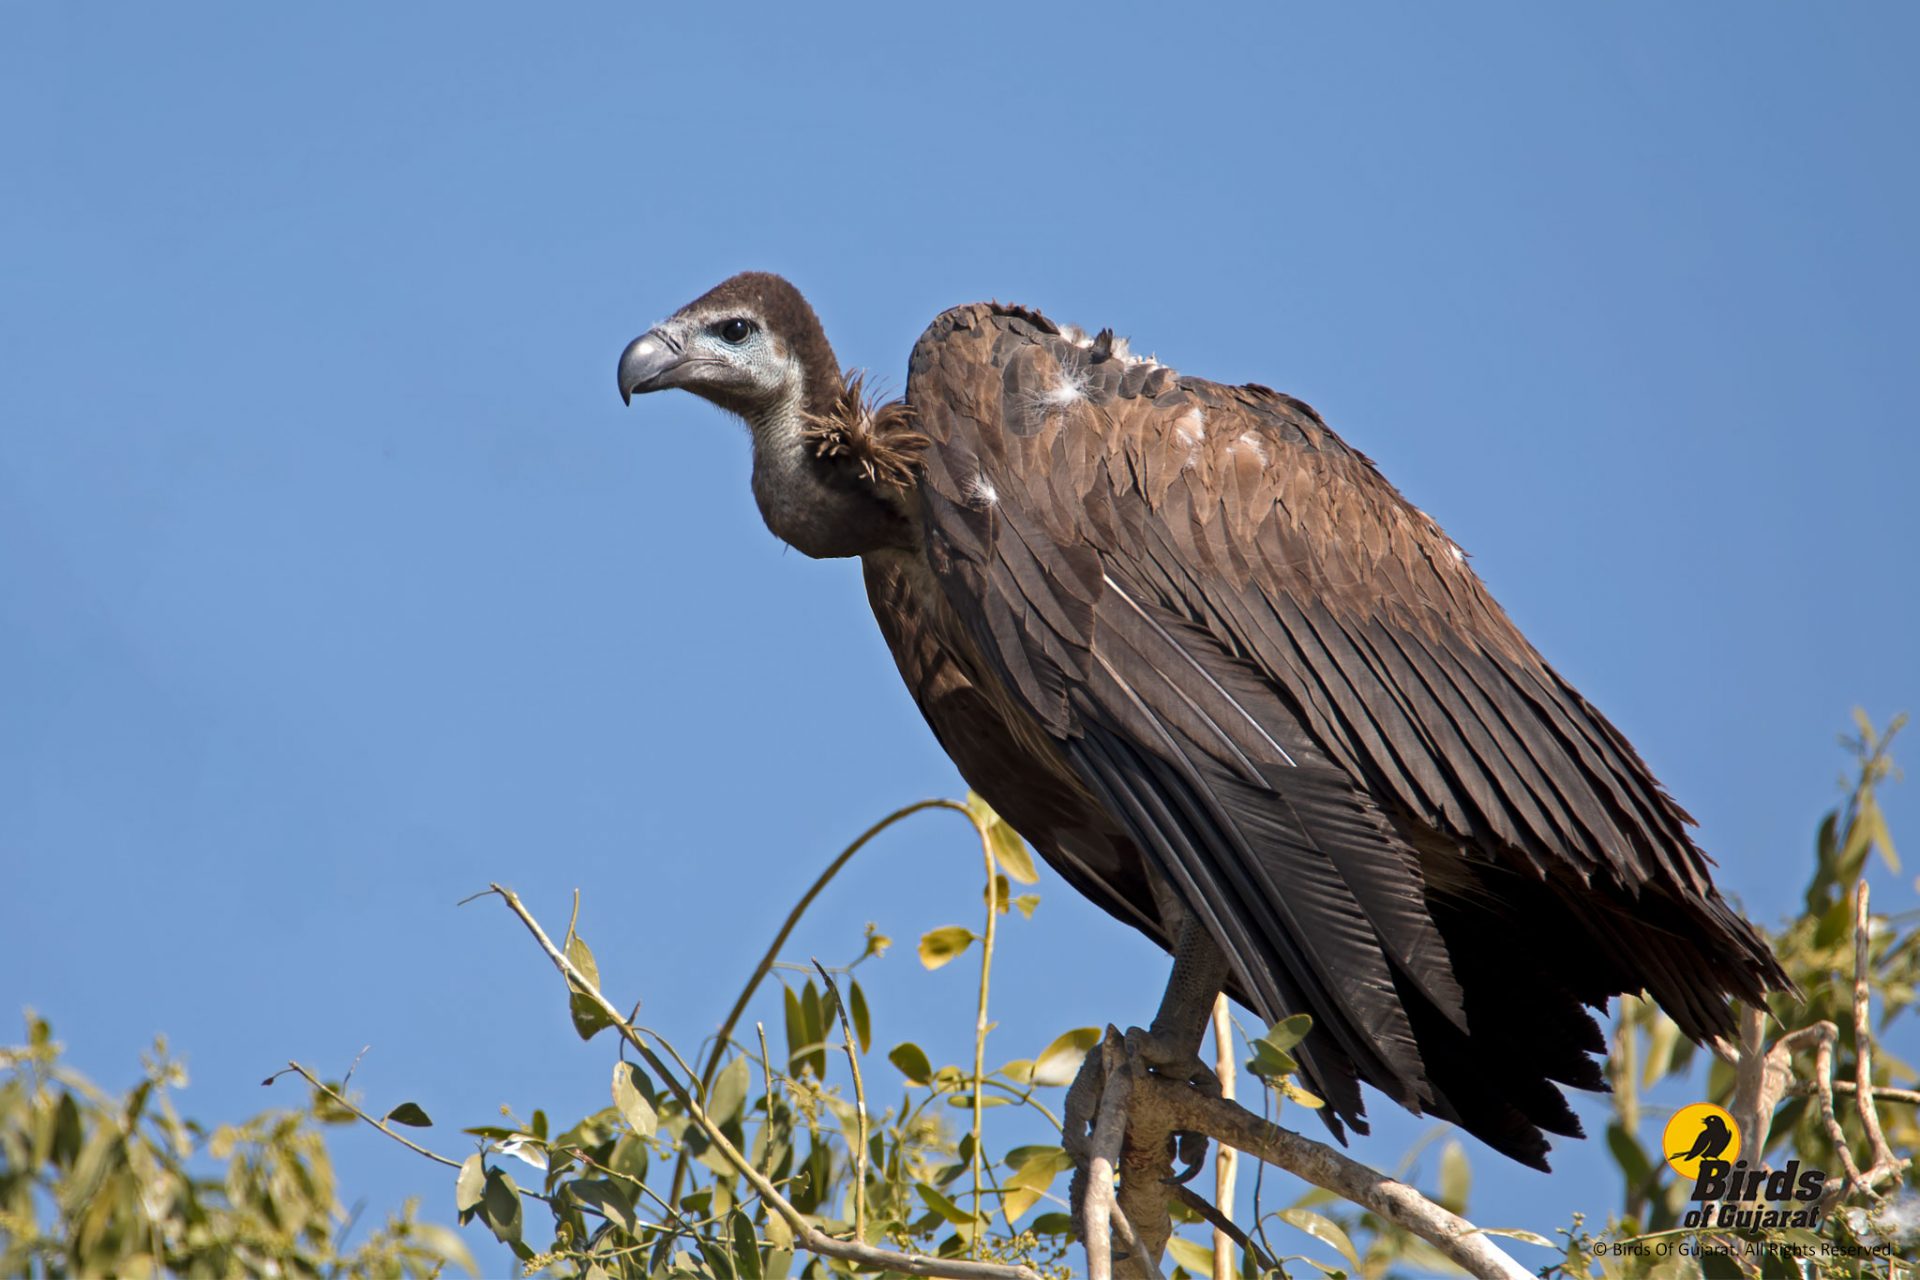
[
  {"x": 1172, "y": 1060},
  {"x": 1190, "y": 1148}
]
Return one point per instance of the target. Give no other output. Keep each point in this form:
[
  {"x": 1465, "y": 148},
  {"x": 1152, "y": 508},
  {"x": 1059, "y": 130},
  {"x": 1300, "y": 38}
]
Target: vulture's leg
[{"x": 1171, "y": 1046}]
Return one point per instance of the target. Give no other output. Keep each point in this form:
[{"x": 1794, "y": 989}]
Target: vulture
[{"x": 1243, "y": 695}]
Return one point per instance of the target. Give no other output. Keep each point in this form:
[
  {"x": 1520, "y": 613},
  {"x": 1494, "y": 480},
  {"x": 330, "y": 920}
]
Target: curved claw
[{"x": 1190, "y": 1148}]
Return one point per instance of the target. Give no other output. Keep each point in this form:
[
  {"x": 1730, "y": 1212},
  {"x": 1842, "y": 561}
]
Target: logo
[
  {"x": 1702, "y": 1144},
  {"x": 1700, "y": 1132}
]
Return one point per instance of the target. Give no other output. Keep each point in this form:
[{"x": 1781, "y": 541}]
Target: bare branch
[
  {"x": 341, "y": 1099},
  {"x": 1226, "y": 1160},
  {"x": 1102, "y": 1156},
  {"x": 1883, "y": 1157},
  {"x": 980, "y": 1020},
  {"x": 1226, "y": 1121}
]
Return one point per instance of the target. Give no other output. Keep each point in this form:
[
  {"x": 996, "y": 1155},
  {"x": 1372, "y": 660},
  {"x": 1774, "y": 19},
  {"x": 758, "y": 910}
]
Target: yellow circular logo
[{"x": 1699, "y": 1132}]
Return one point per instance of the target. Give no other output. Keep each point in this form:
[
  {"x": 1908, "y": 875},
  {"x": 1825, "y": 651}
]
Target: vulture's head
[
  {"x": 829, "y": 466},
  {"x": 751, "y": 345}
]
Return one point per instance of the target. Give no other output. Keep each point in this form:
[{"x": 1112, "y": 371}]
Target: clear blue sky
[{"x": 337, "y": 582}]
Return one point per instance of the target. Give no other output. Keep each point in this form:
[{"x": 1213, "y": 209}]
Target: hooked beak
[{"x": 648, "y": 364}]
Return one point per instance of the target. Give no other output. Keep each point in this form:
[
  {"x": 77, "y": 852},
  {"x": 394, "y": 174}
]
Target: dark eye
[{"x": 735, "y": 330}]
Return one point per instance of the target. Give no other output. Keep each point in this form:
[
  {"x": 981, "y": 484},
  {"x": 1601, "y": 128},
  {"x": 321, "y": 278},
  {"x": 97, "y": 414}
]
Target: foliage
[
  {"x": 636, "y": 1189},
  {"x": 92, "y": 1184},
  {"x": 1817, "y": 950}
]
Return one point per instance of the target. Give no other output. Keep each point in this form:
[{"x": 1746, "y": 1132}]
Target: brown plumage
[
  {"x": 1226, "y": 679},
  {"x": 878, "y": 437}
]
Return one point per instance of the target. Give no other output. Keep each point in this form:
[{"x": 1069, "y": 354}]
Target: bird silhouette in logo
[{"x": 1713, "y": 1139}]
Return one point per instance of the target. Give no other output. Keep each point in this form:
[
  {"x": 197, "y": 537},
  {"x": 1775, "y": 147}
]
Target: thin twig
[
  {"x": 806, "y": 1235},
  {"x": 980, "y": 1022},
  {"x": 1881, "y": 1092},
  {"x": 761, "y": 970},
  {"x": 381, "y": 1125},
  {"x": 1881, "y": 1154},
  {"x": 859, "y": 1105},
  {"x": 1226, "y": 1159},
  {"x": 766, "y": 1073},
  {"x": 1222, "y": 1224}
]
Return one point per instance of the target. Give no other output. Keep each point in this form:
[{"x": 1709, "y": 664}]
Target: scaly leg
[{"x": 1171, "y": 1046}]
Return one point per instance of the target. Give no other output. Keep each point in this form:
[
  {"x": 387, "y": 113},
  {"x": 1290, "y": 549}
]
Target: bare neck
[{"x": 817, "y": 505}]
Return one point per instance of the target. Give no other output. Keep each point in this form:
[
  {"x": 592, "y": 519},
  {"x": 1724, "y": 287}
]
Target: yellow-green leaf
[
  {"x": 1009, "y": 850},
  {"x": 912, "y": 1061},
  {"x": 471, "y": 1186},
  {"x": 941, "y": 1205},
  {"x": 729, "y": 1093},
  {"x": 1323, "y": 1229},
  {"x": 582, "y": 957},
  {"x": 632, "y": 1103},
  {"x": 1456, "y": 1176},
  {"x": 943, "y": 944},
  {"x": 1197, "y": 1258},
  {"x": 1060, "y": 1061},
  {"x": 1294, "y": 1093}
]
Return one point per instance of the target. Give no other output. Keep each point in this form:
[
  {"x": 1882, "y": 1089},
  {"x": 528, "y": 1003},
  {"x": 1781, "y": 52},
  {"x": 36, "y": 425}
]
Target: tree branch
[
  {"x": 761, "y": 970},
  {"x": 805, "y": 1234}
]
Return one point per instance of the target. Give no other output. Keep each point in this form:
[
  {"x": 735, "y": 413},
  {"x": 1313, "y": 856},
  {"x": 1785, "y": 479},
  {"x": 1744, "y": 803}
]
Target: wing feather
[{"x": 1285, "y": 684}]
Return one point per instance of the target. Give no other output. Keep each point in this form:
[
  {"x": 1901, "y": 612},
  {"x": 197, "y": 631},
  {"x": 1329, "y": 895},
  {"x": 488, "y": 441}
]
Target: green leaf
[
  {"x": 796, "y": 1024},
  {"x": 1025, "y": 904},
  {"x": 1269, "y": 1063},
  {"x": 1288, "y": 1032},
  {"x": 631, "y": 1102},
  {"x": 815, "y": 1011},
  {"x": 589, "y": 1019},
  {"x": 1197, "y": 1258},
  {"x": 446, "y": 1243},
  {"x": 1632, "y": 1160},
  {"x": 1052, "y": 1224},
  {"x": 746, "y": 1245},
  {"x": 471, "y": 1186},
  {"x": 409, "y": 1113},
  {"x": 729, "y": 1093},
  {"x": 1060, "y": 1061},
  {"x": 912, "y": 1061},
  {"x": 582, "y": 957},
  {"x": 1001, "y": 891},
  {"x": 862, "y": 1021},
  {"x": 500, "y": 1206},
  {"x": 943, "y": 944},
  {"x": 1323, "y": 1229},
  {"x": 1876, "y": 824},
  {"x": 604, "y": 1195},
  {"x": 944, "y": 1207},
  {"x": 1662, "y": 1036},
  {"x": 1456, "y": 1176},
  {"x": 1037, "y": 1169},
  {"x": 1272, "y": 1058}
]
